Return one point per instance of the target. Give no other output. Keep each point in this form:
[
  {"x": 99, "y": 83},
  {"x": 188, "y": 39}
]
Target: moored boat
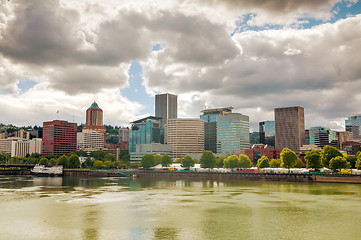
[{"x": 41, "y": 170}]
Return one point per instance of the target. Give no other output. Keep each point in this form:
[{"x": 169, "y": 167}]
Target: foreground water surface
[{"x": 115, "y": 208}]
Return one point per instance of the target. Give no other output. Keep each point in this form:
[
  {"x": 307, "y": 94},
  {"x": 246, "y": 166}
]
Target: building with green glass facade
[
  {"x": 145, "y": 131},
  {"x": 210, "y": 126},
  {"x": 267, "y": 133},
  {"x": 232, "y": 133},
  {"x": 321, "y": 136}
]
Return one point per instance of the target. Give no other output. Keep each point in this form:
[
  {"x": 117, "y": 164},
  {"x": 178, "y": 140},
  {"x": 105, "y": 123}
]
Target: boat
[{"x": 41, "y": 170}]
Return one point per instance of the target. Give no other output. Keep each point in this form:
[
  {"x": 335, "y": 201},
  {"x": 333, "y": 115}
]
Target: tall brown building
[
  {"x": 290, "y": 128},
  {"x": 59, "y": 138},
  {"x": 94, "y": 120},
  {"x": 185, "y": 135}
]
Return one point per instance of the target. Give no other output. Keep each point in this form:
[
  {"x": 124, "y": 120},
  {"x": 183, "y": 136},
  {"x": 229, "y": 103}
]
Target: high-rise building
[
  {"x": 59, "y": 138},
  {"x": 210, "y": 126},
  {"x": 186, "y": 135},
  {"x": 321, "y": 136},
  {"x": 144, "y": 131},
  {"x": 166, "y": 107},
  {"x": 90, "y": 140},
  {"x": 289, "y": 128},
  {"x": 267, "y": 133},
  {"x": 353, "y": 125},
  {"x": 94, "y": 119},
  {"x": 123, "y": 134},
  {"x": 232, "y": 133}
]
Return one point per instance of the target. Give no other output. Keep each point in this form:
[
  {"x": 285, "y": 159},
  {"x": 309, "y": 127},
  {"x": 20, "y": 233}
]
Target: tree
[
  {"x": 98, "y": 164},
  {"x": 44, "y": 161},
  {"x": 109, "y": 157},
  {"x": 313, "y": 159},
  {"x": 73, "y": 161},
  {"x": 52, "y": 162},
  {"x": 63, "y": 160},
  {"x": 358, "y": 161},
  {"x": 98, "y": 155},
  {"x": 158, "y": 159},
  {"x": 275, "y": 163},
  {"x": 263, "y": 162},
  {"x": 88, "y": 162},
  {"x": 231, "y": 162},
  {"x": 166, "y": 160},
  {"x": 289, "y": 158},
  {"x": 338, "y": 163},
  {"x": 327, "y": 154},
  {"x": 244, "y": 161},
  {"x": 108, "y": 164},
  {"x": 207, "y": 160},
  {"x": 219, "y": 162},
  {"x": 299, "y": 164},
  {"x": 187, "y": 162},
  {"x": 352, "y": 160},
  {"x": 147, "y": 161}
]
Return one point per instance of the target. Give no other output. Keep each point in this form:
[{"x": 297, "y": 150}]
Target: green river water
[{"x": 116, "y": 208}]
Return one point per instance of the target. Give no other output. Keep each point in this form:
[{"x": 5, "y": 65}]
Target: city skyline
[{"x": 59, "y": 56}]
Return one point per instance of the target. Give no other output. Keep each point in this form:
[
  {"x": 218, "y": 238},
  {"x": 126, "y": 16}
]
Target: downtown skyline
[{"x": 255, "y": 56}]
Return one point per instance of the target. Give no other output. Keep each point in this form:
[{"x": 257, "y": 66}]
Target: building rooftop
[
  {"x": 146, "y": 118},
  {"x": 94, "y": 106},
  {"x": 217, "y": 110}
]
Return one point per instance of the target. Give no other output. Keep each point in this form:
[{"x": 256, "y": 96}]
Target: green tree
[
  {"x": 358, "y": 161},
  {"x": 98, "y": 155},
  {"x": 219, "y": 161},
  {"x": 166, "y": 160},
  {"x": 313, "y": 159},
  {"x": 187, "y": 162},
  {"x": 98, "y": 164},
  {"x": 244, "y": 161},
  {"x": 207, "y": 160},
  {"x": 338, "y": 163},
  {"x": 275, "y": 163},
  {"x": 158, "y": 159},
  {"x": 231, "y": 162},
  {"x": 52, "y": 162},
  {"x": 109, "y": 157},
  {"x": 299, "y": 164},
  {"x": 289, "y": 158},
  {"x": 73, "y": 161},
  {"x": 263, "y": 162},
  {"x": 63, "y": 160},
  {"x": 125, "y": 158},
  {"x": 108, "y": 164},
  {"x": 44, "y": 161},
  {"x": 147, "y": 161},
  {"x": 88, "y": 162},
  {"x": 327, "y": 154},
  {"x": 352, "y": 160}
]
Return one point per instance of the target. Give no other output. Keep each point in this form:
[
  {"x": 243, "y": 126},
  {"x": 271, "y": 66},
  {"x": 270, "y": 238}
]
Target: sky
[{"x": 58, "y": 57}]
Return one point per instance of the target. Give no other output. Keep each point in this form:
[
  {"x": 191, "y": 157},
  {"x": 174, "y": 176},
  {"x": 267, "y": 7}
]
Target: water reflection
[{"x": 166, "y": 233}]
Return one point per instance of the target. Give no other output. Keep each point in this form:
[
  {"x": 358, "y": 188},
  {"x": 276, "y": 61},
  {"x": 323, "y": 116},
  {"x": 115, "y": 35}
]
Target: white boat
[{"x": 41, "y": 170}]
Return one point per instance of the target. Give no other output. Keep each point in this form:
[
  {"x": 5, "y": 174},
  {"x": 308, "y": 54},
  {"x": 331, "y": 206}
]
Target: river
[{"x": 116, "y": 208}]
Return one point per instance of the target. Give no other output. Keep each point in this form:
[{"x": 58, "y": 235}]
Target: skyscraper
[
  {"x": 210, "y": 126},
  {"x": 94, "y": 120},
  {"x": 186, "y": 135},
  {"x": 144, "y": 131},
  {"x": 353, "y": 125},
  {"x": 267, "y": 133},
  {"x": 59, "y": 138},
  {"x": 290, "y": 127},
  {"x": 232, "y": 133},
  {"x": 166, "y": 107}
]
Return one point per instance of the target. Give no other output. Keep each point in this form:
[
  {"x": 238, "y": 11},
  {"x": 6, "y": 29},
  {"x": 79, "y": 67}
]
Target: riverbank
[{"x": 286, "y": 177}]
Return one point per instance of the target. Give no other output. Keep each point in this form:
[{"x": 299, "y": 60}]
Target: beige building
[
  {"x": 22, "y": 147},
  {"x": 289, "y": 128},
  {"x": 5, "y": 145},
  {"x": 186, "y": 135},
  {"x": 90, "y": 140}
]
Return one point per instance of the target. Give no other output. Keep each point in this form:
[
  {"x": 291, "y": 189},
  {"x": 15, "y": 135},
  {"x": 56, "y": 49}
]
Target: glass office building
[
  {"x": 232, "y": 133},
  {"x": 267, "y": 133},
  {"x": 145, "y": 131},
  {"x": 353, "y": 125},
  {"x": 321, "y": 136},
  {"x": 210, "y": 126}
]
